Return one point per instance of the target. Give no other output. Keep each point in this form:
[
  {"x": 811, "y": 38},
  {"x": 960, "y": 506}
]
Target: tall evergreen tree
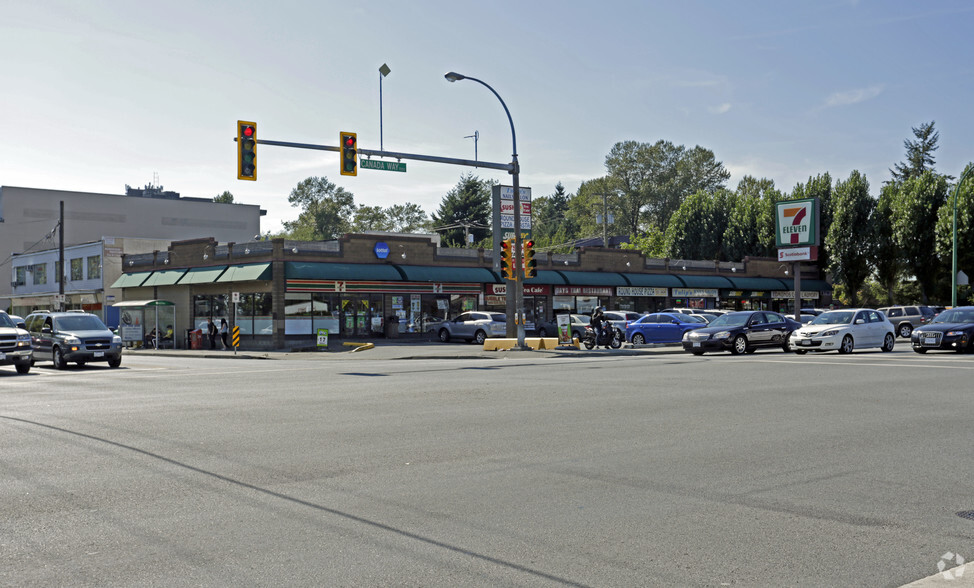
[
  {"x": 915, "y": 210},
  {"x": 919, "y": 153},
  {"x": 467, "y": 203},
  {"x": 886, "y": 258}
]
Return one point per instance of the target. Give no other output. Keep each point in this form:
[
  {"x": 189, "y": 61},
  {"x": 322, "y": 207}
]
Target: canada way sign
[{"x": 381, "y": 164}]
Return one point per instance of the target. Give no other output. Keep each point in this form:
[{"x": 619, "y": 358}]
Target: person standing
[
  {"x": 224, "y": 331},
  {"x": 211, "y": 331}
]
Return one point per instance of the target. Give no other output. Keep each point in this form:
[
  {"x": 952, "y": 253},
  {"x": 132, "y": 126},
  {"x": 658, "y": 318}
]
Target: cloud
[
  {"x": 722, "y": 109},
  {"x": 850, "y": 97}
]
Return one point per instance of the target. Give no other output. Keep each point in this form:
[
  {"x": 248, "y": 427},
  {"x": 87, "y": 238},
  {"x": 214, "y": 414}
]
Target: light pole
[
  {"x": 953, "y": 266},
  {"x": 518, "y": 285}
]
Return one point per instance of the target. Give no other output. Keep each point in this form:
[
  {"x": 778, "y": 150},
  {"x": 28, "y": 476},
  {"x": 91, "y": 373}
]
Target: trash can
[
  {"x": 196, "y": 339},
  {"x": 392, "y": 327}
]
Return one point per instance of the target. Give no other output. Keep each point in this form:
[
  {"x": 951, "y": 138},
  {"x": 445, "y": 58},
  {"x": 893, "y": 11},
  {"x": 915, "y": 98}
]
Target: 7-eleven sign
[{"x": 796, "y": 223}]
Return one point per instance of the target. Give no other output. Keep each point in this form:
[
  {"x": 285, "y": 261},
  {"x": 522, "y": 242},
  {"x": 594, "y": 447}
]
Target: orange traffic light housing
[
  {"x": 246, "y": 150},
  {"x": 507, "y": 259},
  {"x": 530, "y": 263},
  {"x": 349, "y": 146}
]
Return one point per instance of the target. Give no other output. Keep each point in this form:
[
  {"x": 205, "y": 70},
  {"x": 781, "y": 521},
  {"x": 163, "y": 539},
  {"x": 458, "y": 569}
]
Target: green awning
[
  {"x": 654, "y": 280},
  {"x": 548, "y": 278},
  {"x": 131, "y": 280},
  {"x": 808, "y": 285},
  {"x": 202, "y": 275},
  {"x": 741, "y": 283},
  {"x": 246, "y": 273},
  {"x": 430, "y": 273},
  {"x": 706, "y": 281},
  {"x": 593, "y": 278},
  {"x": 305, "y": 270},
  {"x": 135, "y": 303},
  {"x": 164, "y": 278}
]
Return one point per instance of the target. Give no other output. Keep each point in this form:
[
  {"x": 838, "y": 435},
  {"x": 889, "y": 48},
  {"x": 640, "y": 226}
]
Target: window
[
  {"x": 20, "y": 278},
  {"x": 77, "y": 272},
  {"x": 94, "y": 267},
  {"x": 57, "y": 272},
  {"x": 40, "y": 274},
  {"x": 895, "y": 312}
]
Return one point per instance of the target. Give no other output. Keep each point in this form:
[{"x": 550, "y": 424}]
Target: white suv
[{"x": 15, "y": 347}]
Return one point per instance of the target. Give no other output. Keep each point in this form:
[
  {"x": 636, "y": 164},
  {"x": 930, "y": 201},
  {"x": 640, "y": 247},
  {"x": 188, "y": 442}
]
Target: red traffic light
[
  {"x": 248, "y": 131},
  {"x": 528, "y": 244},
  {"x": 349, "y": 141}
]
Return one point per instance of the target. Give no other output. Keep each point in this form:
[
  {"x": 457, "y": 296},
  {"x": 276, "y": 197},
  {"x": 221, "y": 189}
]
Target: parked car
[
  {"x": 707, "y": 317},
  {"x": 77, "y": 337},
  {"x": 474, "y": 326},
  {"x": 661, "y": 327},
  {"x": 15, "y": 347},
  {"x": 951, "y": 330},
  {"x": 620, "y": 319},
  {"x": 680, "y": 310},
  {"x": 741, "y": 332},
  {"x": 907, "y": 318},
  {"x": 578, "y": 322},
  {"x": 843, "y": 331}
]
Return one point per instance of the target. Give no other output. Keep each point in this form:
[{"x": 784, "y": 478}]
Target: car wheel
[
  {"x": 905, "y": 330},
  {"x": 888, "y": 342},
  {"x": 697, "y": 352},
  {"x": 740, "y": 345},
  {"x": 23, "y": 368},
  {"x": 577, "y": 335},
  {"x": 115, "y": 361},
  {"x": 58, "y": 358},
  {"x": 444, "y": 336},
  {"x": 479, "y": 337},
  {"x": 638, "y": 339},
  {"x": 847, "y": 344},
  {"x": 751, "y": 350},
  {"x": 801, "y": 351}
]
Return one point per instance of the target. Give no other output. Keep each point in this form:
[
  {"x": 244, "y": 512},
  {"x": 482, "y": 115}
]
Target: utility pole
[
  {"x": 605, "y": 220},
  {"x": 60, "y": 256}
]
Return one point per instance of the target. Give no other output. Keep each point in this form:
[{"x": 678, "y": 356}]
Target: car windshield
[
  {"x": 692, "y": 318},
  {"x": 498, "y": 317},
  {"x": 5, "y": 321},
  {"x": 730, "y": 320},
  {"x": 955, "y": 315},
  {"x": 836, "y": 317},
  {"x": 79, "y": 323}
]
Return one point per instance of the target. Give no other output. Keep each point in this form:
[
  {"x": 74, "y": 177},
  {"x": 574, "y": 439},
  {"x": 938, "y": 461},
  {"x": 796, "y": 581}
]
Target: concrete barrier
[{"x": 499, "y": 344}]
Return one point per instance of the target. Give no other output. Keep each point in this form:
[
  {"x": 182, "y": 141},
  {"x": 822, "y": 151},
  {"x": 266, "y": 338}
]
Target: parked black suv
[
  {"x": 72, "y": 336},
  {"x": 15, "y": 346}
]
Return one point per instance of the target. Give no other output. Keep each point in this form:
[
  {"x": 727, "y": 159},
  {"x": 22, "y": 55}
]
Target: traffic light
[
  {"x": 246, "y": 150},
  {"x": 507, "y": 259},
  {"x": 349, "y": 154},
  {"x": 530, "y": 263}
]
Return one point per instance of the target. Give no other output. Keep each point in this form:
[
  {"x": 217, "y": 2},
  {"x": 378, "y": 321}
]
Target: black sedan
[
  {"x": 741, "y": 332},
  {"x": 951, "y": 330}
]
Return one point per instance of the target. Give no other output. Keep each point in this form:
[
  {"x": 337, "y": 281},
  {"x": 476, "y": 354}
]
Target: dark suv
[
  {"x": 15, "y": 346},
  {"x": 72, "y": 336},
  {"x": 907, "y": 318}
]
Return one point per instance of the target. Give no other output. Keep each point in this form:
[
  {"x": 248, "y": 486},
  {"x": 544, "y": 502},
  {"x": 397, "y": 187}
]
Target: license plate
[
  {"x": 696, "y": 343},
  {"x": 805, "y": 343},
  {"x": 99, "y": 354},
  {"x": 930, "y": 341}
]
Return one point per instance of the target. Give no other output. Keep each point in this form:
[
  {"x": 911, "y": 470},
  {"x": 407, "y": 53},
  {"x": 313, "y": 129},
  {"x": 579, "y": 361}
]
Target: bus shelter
[{"x": 146, "y": 322}]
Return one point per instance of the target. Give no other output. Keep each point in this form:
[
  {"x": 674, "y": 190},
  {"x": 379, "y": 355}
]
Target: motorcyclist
[{"x": 597, "y": 322}]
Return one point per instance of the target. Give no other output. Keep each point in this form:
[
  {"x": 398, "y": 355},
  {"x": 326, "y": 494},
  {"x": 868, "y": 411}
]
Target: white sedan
[{"x": 843, "y": 331}]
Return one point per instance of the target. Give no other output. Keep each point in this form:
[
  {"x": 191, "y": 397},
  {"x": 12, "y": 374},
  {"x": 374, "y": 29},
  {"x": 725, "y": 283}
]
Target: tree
[
  {"x": 886, "y": 258},
  {"x": 965, "y": 227},
  {"x": 915, "y": 208},
  {"x": 225, "y": 198},
  {"x": 697, "y": 228},
  {"x": 849, "y": 239},
  {"x": 407, "y": 218},
  {"x": 750, "y": 223},
  {"x": 370, "y": 218},
  {"x": 468, "y": 203},
  {"x": 551, "y": 222},
  {"x": 919, "y": 153},
  {"x": 326, "y": 210}
]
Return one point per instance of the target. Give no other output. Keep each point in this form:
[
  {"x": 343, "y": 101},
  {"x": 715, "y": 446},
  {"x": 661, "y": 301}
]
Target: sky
[{"x": 98, "y": 94}]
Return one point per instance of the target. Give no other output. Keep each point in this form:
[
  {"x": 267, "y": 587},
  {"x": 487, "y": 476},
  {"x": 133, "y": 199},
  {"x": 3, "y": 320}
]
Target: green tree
[
  {"x": 965, "y": 227},
  {"x": 915, "y": 212},
  {"x": 750, "y": 224},
  {"x": 651, "y": 243},
  {"x": 849, "y": 239},
  {"x": 919, "y": 153},
  {"x": 467, "y": 203},
  {"x": 552, "y": 225},
  {"x": 326, "y": 210},
  {"x": 697, "y": 228},
  {"x": 370, "y": 218},
  {"x": 886, "y": 258},
  {"x": 407, "y": 218},
  {"x": 586, "y": 205},
  {"x": 225, "y": 198}
]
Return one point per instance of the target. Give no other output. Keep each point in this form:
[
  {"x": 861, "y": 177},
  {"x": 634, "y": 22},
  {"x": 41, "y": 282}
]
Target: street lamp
[{"x": 518, "y": 254}]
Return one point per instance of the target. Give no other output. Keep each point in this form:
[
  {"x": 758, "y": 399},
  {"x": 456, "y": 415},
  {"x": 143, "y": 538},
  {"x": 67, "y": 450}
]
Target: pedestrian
[
  {"x": 211, "y": 332},
  {"x": 224, "y": 331}
]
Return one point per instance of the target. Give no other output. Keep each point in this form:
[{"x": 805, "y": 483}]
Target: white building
[{"x": 29, "y": 216}]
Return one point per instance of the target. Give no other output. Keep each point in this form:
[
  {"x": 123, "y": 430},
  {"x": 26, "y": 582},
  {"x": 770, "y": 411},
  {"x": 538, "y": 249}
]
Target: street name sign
[{"x": 383, "y": 165}]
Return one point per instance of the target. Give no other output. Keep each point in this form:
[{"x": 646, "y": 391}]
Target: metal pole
[
  {"x": 796, "y": 267},
  {"x": 953, "y": 266},
  {"x": 60, "y": 256},
  {"x": 380, "y": 110}
]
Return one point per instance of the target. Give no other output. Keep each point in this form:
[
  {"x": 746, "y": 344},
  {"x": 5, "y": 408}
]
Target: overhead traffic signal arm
[{"x": 246, "y": 150}]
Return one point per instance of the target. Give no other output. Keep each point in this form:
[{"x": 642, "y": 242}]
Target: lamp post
[
  {"x": 518, "y": 284},
  {"x": 953, "y": 266}
]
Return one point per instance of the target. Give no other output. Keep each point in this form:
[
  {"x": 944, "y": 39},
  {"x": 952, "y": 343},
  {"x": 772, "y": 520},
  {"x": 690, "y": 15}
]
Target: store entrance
[{"x": 361, "y": 315}]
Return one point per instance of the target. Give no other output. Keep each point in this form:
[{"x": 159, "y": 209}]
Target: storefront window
[
  {"x": 94, "y": 267},
  {"x": 40, "y": 274},
  {"x": 77, "y": 271},
  {"x": 207, "y": 306}
]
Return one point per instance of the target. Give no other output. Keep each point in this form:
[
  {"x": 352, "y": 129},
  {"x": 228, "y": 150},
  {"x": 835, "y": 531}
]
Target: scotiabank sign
[{"x": 529, "y": 290}]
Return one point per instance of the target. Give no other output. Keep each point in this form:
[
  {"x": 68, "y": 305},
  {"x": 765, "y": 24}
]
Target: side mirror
[
  {"x": 46, "y": 329},
  {"x": 860, "y": 322},
  {"x": 22, "y": 325}
]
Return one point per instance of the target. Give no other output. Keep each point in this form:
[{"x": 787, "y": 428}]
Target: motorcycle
[{"x": 606, "y": 337}]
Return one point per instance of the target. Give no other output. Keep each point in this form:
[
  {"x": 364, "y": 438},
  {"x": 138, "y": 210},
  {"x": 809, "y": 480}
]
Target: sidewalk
[{"x": 384, "y": 350}]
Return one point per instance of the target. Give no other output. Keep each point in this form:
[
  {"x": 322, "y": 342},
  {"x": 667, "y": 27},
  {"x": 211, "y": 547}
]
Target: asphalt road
[{"x": 525, "y": 470}]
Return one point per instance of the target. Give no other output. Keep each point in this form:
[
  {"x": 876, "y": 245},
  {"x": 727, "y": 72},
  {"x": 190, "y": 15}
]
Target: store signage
[
  {"x": 798, "y": 254},
  {"x": 583, "y": 291},
  {"x": 641, "y": 291},
  {"x": 695, "y": 292},
  {"x": 790, "y": 294},
  {"x": 381, "y": 250},
  {"x": 529, "y": 290},
  {"x": 796, "y": 222},
  {"x": 735, "y": 294}
]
